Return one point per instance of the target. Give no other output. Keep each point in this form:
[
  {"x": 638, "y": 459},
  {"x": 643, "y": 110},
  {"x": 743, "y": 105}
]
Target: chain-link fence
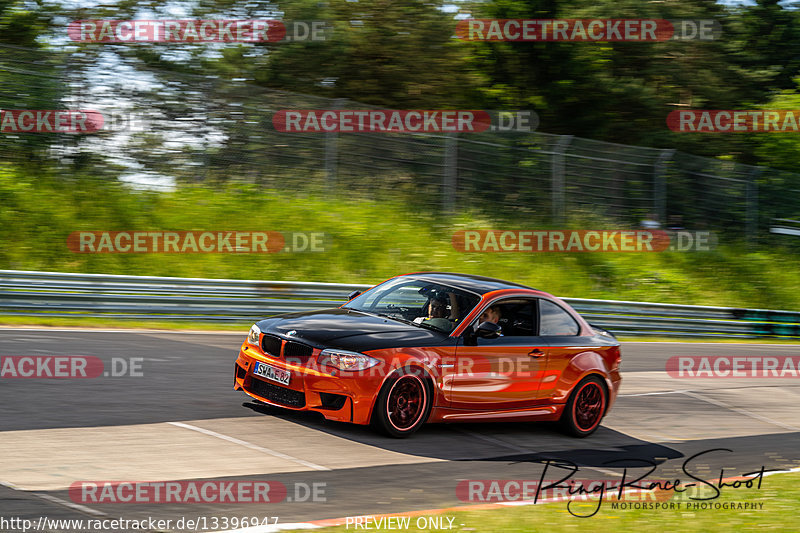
[{"x": 165, "y": 128}]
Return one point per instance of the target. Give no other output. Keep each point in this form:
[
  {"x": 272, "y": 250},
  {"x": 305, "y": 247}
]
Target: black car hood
[{"x": 351, "y": 330}]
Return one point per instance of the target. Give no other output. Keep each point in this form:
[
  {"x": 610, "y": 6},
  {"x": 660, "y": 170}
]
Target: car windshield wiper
[
  {"x": 384, "y": 315},
  {"x": 428, "y": 326},
  {"x": 411, "y": 322}
]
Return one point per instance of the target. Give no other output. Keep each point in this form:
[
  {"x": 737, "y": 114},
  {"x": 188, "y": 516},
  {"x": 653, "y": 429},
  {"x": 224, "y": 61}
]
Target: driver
[
  {"x": 438, "y": 316},
  {"x": 491, "y": 314}
]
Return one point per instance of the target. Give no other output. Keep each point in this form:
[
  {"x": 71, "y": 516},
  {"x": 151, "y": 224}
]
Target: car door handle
[{"x": 536, "y": 352}]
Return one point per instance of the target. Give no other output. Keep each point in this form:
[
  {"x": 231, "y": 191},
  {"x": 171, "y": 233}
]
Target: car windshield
[{"x": 419, "y": 302}]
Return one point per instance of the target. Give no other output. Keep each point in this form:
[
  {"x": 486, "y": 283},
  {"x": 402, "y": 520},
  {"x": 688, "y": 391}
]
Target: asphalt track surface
[{"x": 181, "y": 420}]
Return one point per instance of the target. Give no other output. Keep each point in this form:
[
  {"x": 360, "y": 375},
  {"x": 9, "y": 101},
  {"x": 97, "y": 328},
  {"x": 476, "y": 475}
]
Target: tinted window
[
  {"x": 517, "y": 318},
  {"x": 555, "y": 321}
]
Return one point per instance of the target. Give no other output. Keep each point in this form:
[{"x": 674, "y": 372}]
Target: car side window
[
  {"x": 554, "y": 320},
  {"x": 517, "y": 317}
]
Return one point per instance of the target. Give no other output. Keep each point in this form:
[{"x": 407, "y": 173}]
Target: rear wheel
[
  {"x": 403, "y": 403},
  {"x": 585, "y": 407}
]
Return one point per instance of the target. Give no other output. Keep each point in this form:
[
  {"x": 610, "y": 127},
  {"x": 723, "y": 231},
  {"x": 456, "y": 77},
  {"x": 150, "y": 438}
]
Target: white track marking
[
  {"x": 55, "y": 500},
  {"x": 71, "y": 505},
  {"x": 273, "y": 528},
  {"x": 249, "y": 445},
  {"x": 791, "y": 470},
  {"x": 516, "y": 448},
  {"x": 494, "y": 441},
  {"x": 652, "y": 393},
  {"x": 743, "y": 412}
]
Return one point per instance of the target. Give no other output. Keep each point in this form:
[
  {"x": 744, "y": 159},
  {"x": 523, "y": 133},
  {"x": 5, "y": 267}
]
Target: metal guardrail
[{"x": 56, "y": 294}]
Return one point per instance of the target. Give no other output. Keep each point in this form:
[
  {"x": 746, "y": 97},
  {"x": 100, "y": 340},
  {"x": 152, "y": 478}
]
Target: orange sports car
[{"x": 436, "y": 347}]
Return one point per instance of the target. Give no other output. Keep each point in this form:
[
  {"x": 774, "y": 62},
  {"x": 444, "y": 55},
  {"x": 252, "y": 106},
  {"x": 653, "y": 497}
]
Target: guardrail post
[
  {"x": 558, "y": 171},
  {"x": 660, "y": 184},
  {"x": 450, "y": 177}
]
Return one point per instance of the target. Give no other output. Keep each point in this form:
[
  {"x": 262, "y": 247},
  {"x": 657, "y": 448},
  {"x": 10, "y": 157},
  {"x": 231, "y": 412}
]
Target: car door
[
  {"x": 561, "y": 332},
  {"x": 505, "y": 372}
]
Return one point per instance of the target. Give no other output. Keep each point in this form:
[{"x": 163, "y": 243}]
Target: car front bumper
[{"x": 337, "y": 395}]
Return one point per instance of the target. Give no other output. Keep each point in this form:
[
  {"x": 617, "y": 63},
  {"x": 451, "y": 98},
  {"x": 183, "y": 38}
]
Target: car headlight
[
  {"x": 344, "y": 360},
  {"x": 252, "y": 337}
]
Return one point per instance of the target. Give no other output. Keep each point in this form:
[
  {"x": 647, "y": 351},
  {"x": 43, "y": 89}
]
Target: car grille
[
  {"x": 297, "y": 350},
  {"x": 271, "y": 345},
  {"x": 279, "y": 395}
]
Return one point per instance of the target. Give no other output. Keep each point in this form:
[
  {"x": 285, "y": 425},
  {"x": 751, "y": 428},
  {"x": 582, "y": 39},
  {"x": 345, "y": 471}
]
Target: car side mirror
[
  {"x": 353, "y": 295},
  {"x": 488, "y": 330}
]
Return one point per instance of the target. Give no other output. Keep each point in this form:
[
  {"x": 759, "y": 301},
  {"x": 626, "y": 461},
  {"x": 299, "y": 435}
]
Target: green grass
[
  {"x": 369, "y": 241},
  {"x": 115, "y": 323},
  {"x": 779, "y": 494}
]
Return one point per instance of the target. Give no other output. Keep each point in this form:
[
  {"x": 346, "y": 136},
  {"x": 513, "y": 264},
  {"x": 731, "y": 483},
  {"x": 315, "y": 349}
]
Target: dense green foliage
[
  {"x": 369, "y": 242},
  {"x": 404, "y": 54},
  {"x": 394, "y": 54}
]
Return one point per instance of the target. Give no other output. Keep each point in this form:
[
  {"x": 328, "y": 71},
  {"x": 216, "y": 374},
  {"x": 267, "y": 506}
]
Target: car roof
[{"x": 477, "y": 284}]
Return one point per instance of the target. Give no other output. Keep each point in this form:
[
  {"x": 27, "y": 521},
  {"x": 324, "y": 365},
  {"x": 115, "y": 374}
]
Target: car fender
[
  {"x": 582, "y": 365},
  {"x": 428, "y": 360}
]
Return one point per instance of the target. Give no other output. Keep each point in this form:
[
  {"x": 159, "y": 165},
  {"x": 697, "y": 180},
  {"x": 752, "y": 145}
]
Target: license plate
[{"x": 272, "y": 373}]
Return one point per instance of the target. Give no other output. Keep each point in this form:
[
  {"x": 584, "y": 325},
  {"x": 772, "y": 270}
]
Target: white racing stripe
[{"x": 249, "y": 445}]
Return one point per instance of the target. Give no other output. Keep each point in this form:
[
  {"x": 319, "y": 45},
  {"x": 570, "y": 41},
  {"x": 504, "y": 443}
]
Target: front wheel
[
  {"x": 403, "y": 404},
  {"x": 585, "y": 408}
]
